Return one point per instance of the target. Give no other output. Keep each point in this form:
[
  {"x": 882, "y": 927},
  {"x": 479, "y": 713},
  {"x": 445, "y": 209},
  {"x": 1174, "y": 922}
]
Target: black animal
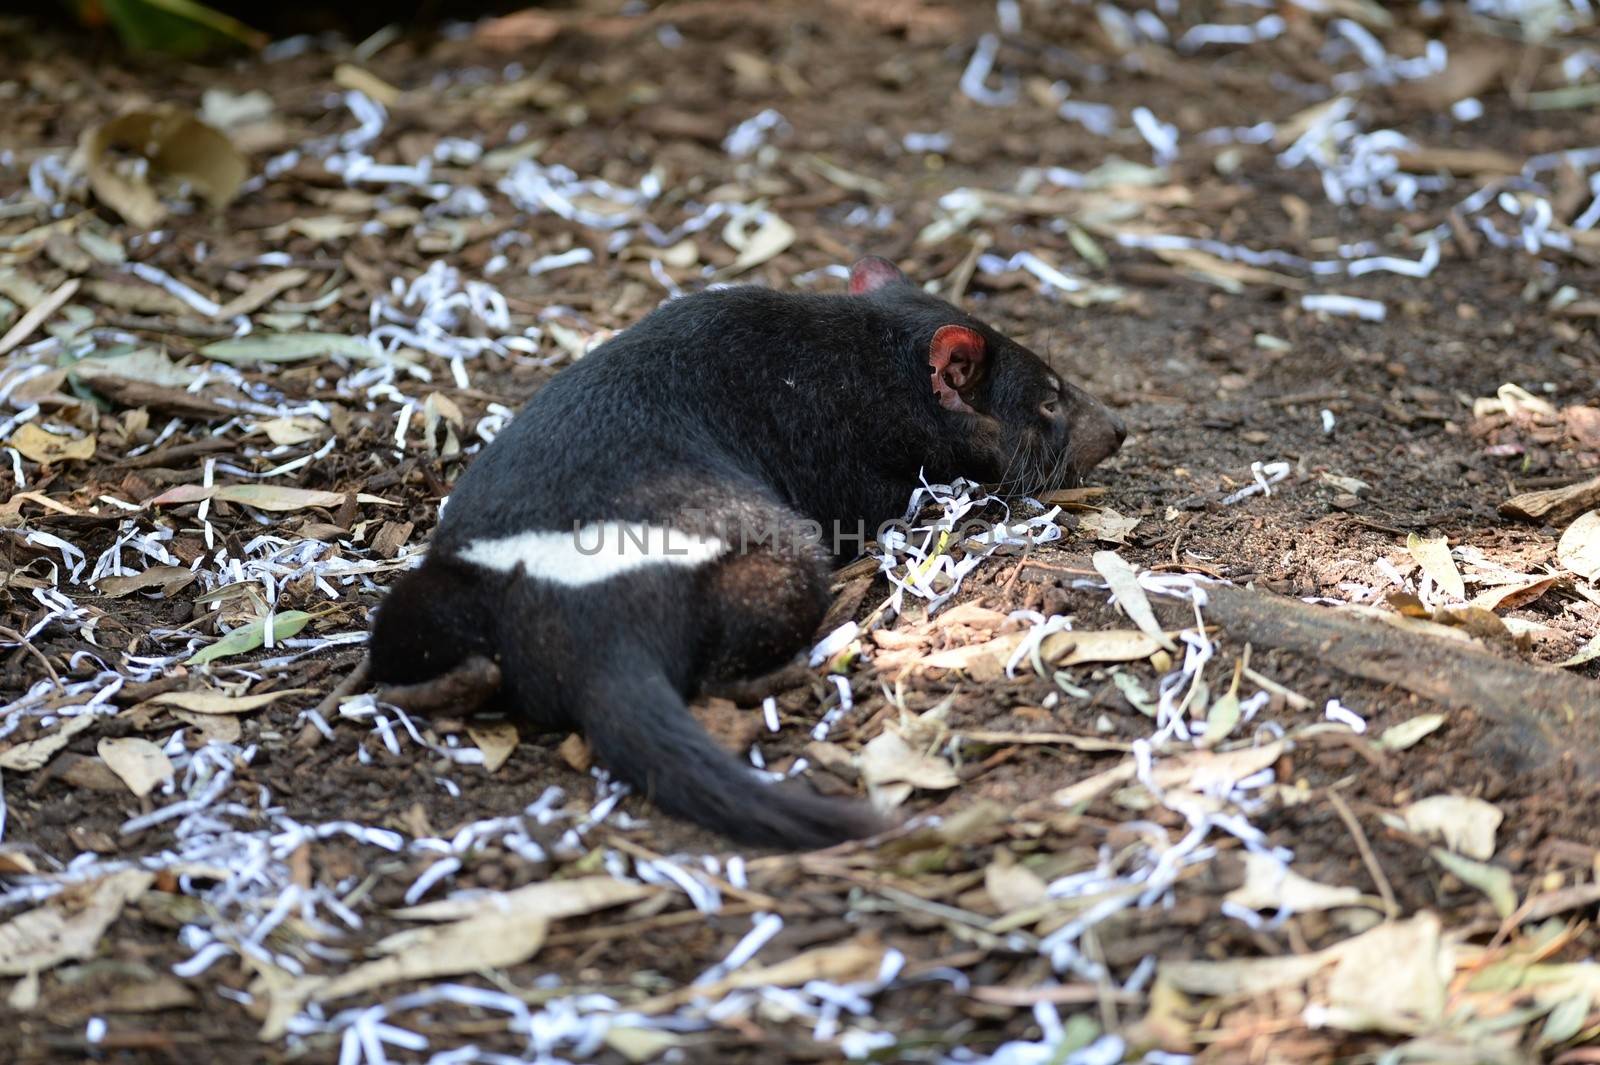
[{"x": 632, "y": 534}]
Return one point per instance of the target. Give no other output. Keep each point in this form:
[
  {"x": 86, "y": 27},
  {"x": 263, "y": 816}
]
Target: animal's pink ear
[
  {"x": 957, "y": 356},
  {"x": 872, "y": 273}
]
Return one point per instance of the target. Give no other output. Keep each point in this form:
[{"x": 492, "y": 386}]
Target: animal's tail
[{"x": 640, "y": 729}]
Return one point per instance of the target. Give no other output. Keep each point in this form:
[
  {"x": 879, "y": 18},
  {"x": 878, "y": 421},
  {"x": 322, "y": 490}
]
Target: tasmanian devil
[{"x": 629, "y": 537}]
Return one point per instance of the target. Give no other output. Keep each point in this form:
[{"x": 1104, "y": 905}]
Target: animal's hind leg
[
  {"x": 432, "y": 621},
  {"x": 760, "y": 608}
]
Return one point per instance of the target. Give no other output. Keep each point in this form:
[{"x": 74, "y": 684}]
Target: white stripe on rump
[{"x": 592, "y": 553}]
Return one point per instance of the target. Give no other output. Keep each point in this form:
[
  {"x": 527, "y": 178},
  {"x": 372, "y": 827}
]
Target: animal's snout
[
  {"x": 1097, "y": 432},
  {"x": 1119, "y": 428}
]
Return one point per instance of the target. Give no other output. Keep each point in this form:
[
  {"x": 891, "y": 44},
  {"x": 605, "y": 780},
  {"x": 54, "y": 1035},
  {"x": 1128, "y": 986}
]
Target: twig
[
  {"x": 1368, "y": 858},
  {"x": 1294, "y": 699},
  {"x": 754, "y": 898},
  {"x": 177, "y": 451},
  {"x": 183, "y": 327},
  {"x": 645, "y": 924},
  {"x": 13, "y": 634},
  {"x": 36, "y": 317},
  {"x": 351, "y": 684}
]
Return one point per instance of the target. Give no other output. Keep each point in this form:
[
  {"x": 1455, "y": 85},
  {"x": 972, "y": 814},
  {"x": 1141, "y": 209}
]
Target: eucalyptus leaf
[
  {"x": 1493, "y": 881},
  {"x": 1566, "y": 1019},
  {"x": 249, "y": 637},
  {"x": 1134, "y": 692},
  {"x": 1410, "y": 732},
  {"x": 288, "y": 347}
]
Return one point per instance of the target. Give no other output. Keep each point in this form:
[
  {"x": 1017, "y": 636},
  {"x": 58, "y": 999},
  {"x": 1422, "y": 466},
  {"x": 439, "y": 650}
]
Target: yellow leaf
[
  {"x": 139, "y": 763},
  {"x": 45, "y": 447},
  {"x": 25, "y": 757},
  {"x": 69, "y": 926},
  {"x": 550, "y": 899},
  {"x": 174, "y": 144},
  {"x": 1434, "y": 558},
  {"x": 488, "y": 941},
  {"x": 217, "y": 703},
  {"x": 496, "y": 740},
  {"x": 350, "y": 76},
  {"x": 1579, "y": 547}
]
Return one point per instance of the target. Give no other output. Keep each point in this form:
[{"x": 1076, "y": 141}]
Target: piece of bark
[
  {"x": 1554, "y": 506},
  {"x": 126, "y": 392},
  {"x": 1545, "y": 714}
]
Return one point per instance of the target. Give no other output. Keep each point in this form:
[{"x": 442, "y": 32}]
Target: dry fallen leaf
[
  {"x": 987, "y": 661},
  {"x": 1270, "y": 885},
  {"x": 224, "y": 109},
  {"x": 640, "y": 1045},
  {"x": 143, "y": 364},
  {"x": 1512, "y": 596},
  {"x": 172, "y": 144},
  {"x": 1131, "y": 599},
  {"x": 145, "y": 995},
  {"x": 1242, "y": 976},
  {"x": 574, "y": 750},
  {"x": 496, "y": 740},
  {"x": 1434, "y": 558},
  {"x": 517, "y": 31},
  {"x": 1107, "y": 525},
  {"x": 168, "y": 579},
  {"x": 275, "y": 497},
  {"x": 218, "y": 703},
  {"x": 1200, "y": 771},
  {"x": 25, "y": 757},
  {"x": 1013, "y": 887},
  {"x": 490, "y": 940},
  {"x": 1392, "y": 977},
  {"x": 213, "y": 728},
  {"x": 38, "y": 314},
  {"x": 1587, "y": 653},
  {"x": 350, "y": 76},
  {"x": 1226, "y": 274},
  {"x": 260, "y": 292},
  {"x": 550, "y": 899},
  {"x": 1410, "y": 732},
  {"x": 889, "y": 759},
  {"x": 139, "y": 763},
  {"x": 773, "y": 236},
  {"x": 1579, "y": 547},
  {"x": 1464, "y": 824},
  {"x": 24, "y": 996},
  {"x": 855, "y": 959},
  {"x": 292, "y": 430},
  {"x": 440, "y": 410},
  {"x": 15, "y": 861},
  {"x": 69, "y": 926},
  {"x": 44, "y": 447}
]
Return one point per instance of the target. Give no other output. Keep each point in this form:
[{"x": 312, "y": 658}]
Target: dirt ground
[{"x": 1029, "y": 910}]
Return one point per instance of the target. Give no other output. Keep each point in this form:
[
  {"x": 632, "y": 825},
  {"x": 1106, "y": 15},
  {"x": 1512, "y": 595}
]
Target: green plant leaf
[
  {"x": 177, "y": 27},
  {"x": 288, "y": 347},
  {"x": 249, "y": 637}
]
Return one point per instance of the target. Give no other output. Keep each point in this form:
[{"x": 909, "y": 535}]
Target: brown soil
[{"x": 1182, "y": 361}]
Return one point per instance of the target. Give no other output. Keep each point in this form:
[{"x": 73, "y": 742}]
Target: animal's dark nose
[
  {"x": 1119, "y": 428},
  {"x": 1097, "y": 431}
]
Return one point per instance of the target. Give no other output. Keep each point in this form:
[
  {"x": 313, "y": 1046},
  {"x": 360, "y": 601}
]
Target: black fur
[{"x": 739, "y": 408}]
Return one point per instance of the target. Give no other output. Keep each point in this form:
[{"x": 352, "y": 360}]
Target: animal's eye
[{"x": 1050, "y": 408}]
